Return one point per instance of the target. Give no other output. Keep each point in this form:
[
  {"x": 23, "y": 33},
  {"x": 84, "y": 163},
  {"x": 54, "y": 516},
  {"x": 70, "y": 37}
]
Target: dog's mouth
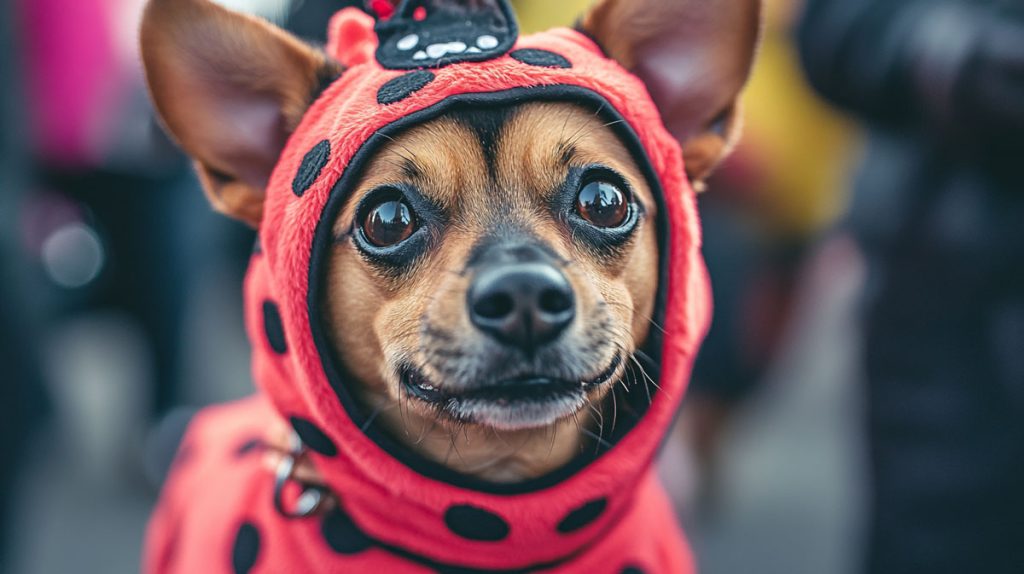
[{"x": 514, "y": 404}]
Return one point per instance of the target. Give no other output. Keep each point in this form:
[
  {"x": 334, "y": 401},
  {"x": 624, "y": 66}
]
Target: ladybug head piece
[{"x": 437, "y": 33}]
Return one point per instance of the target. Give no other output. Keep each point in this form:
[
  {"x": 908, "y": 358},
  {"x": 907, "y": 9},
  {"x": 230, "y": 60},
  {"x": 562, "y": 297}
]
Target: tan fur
[{"x": 455, "y": 175}]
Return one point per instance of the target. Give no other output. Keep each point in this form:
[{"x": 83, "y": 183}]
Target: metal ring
[{"x": 312, "y": 497}]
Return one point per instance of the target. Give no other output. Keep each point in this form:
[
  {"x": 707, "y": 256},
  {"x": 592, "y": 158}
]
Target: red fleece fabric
[{"x": 216, "y": 513}]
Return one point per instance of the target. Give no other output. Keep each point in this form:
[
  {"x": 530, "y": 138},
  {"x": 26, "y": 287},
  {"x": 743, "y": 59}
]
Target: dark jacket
[{"x": 939, "y": 210}]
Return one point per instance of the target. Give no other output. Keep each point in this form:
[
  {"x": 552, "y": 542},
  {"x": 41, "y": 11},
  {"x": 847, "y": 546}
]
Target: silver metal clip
[{"x": 312, "y": 498}]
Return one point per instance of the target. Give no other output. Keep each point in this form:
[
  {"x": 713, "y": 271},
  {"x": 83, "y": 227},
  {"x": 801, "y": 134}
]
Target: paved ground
[
  {"x": 790, "y": 486},
  {"x": 792, "y": 481}
]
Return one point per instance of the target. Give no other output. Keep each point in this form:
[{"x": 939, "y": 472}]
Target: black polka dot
[
  {"x": 274, "y": 328},
  {"x": 402, "y": 87},
  {"x": 313, "y": 437},
  {"x": 476, "y": 523},
  {"x": 582, "y": 516},
  {"x": 541, "y": 58},
  {"x": 342, "y": 535},
  {"x": 311, "y": 167},
  {"x": 461, "y": 570},
  {"x": 246, "y": 550},
  {"x": 249, "y": 446},
  {"x": 632, "y": 570}
]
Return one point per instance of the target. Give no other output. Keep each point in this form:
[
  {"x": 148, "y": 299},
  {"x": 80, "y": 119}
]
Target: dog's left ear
[{"x": 695, "y": 57}]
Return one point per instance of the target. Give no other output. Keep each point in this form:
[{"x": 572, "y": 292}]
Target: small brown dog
[
  {"x": 601, "y": 299},
  {"x": 495, "y": 272}
]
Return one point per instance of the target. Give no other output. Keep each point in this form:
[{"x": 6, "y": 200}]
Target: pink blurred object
[{"x": 76, "y": 77}]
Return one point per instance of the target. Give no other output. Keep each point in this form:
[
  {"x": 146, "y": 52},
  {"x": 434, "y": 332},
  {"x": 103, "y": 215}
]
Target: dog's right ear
[{"x": 230, "y": 89}]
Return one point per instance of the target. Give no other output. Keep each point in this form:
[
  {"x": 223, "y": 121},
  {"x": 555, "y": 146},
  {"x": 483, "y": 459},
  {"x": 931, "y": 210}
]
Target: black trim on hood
[{"x": 323, "y": 241}]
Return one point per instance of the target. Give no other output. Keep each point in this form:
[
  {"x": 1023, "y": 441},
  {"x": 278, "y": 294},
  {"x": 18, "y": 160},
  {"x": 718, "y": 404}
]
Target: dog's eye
[
  {"x": 603, "y": 204},
  {"x": 389, "y": 223}
]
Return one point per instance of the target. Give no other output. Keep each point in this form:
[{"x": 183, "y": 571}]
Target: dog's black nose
[{"x": 524, "y": 305}]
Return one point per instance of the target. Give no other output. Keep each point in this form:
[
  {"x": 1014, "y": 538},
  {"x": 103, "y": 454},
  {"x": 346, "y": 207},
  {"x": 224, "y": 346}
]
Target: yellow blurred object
[
  {"x": 800, "y": 148},
  {"x": 540, "y": 15}
]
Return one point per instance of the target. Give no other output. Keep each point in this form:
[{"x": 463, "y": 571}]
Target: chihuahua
[{"x": 489, "y": 300}]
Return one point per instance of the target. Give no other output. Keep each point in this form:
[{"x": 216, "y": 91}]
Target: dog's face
[
  {"x": 503, "y": 264},
  {"x": 495, "y": 269}
]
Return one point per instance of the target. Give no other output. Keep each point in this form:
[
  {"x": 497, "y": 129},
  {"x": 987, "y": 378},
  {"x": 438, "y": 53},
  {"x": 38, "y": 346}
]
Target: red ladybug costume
[{"x": 397, "y": 512}]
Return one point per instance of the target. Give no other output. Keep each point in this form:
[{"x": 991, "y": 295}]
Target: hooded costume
[{"x": 397, "y": 512}]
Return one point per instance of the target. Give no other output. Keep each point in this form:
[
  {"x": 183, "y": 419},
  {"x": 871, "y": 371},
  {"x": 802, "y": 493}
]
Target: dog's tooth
[
  {"x": 473, "y": 50},
  {"x": 421, "y": 55},
  {"x": 408, "y": 43},
  {"x": 487, "y": 42}
]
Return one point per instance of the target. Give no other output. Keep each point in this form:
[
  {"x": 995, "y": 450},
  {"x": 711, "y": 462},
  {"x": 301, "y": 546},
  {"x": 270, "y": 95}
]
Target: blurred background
[{"x": 858, "y": 407}]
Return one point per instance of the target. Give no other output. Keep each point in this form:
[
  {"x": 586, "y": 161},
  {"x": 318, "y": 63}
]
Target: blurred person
[
  {"x": 21, "y": 386},
  {"x": 939, "y": 213},
  {"x": 112, "y": 196}
]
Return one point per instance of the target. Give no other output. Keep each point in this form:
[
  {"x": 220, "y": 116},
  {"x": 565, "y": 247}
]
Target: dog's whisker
[
  {"x": 522, "y": 445},
  {"x": 424, "y": 431},
  {"x": 579, "y": 427},
  {"x": 602, "y": 443},
  {"x": 599, "y": 419},
  {"x": 630, "y": 308},
  {"x": 568, "y": 114},
  {"x": 624, "y": 383},
  {"x": 397, "y": 165},
  {"x": 657, "y": 326},
  {"x": 451, "y": 448},
  {"x": 648, "y": 381},
  {"x": 590, "y": 128},
  {"x": 412, "y": 154},
  {"x": 615, "y": 409},
  {"x": 376, "y": 413},
  {"x": 551, "y": 444},
  {"x": 498, "y": 436},
  {"x": 597, "y": 413},
  {"x": 645, "y": 373},
  {"x": 572, "y": 140},
  {"x": 403, "y": 407}
]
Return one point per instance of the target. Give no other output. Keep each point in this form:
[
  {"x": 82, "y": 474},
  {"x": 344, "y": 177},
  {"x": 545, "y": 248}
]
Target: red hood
[{"x": 513, "y": 527}]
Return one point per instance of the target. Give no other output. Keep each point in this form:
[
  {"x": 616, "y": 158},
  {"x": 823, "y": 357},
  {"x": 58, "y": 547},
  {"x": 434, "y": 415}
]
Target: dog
[{"x": 477, "y": 291}]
